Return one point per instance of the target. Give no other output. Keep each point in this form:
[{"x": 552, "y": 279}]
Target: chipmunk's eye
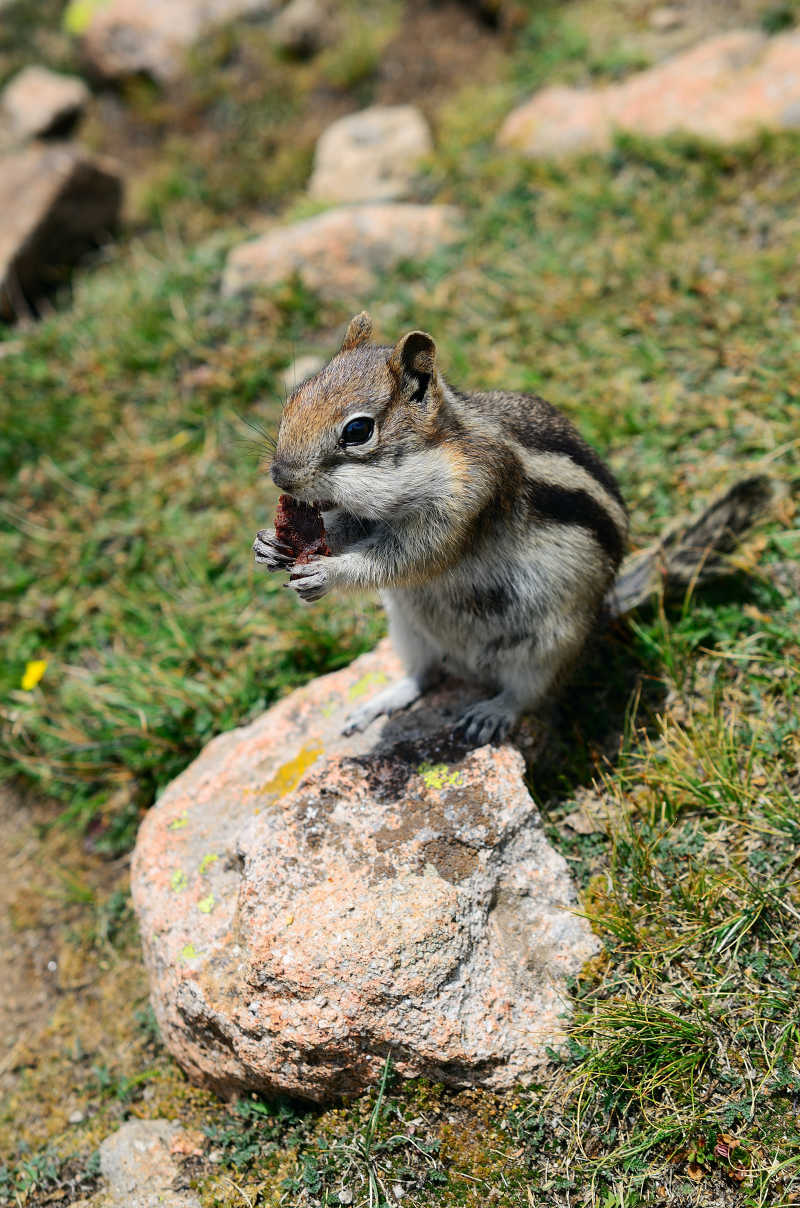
[{"x": 358, "y": 430}]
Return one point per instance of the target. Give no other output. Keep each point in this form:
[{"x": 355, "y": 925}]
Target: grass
[
  {"x": 163, "y": 476},
  {"x": 649, "y": 292}
]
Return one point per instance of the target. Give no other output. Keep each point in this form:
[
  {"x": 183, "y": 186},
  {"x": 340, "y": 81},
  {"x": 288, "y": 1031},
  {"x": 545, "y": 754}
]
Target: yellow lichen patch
[
  {"x": 178, "y": 880},
  {"x": 207, "y": 861},
  {"x": 439, "y": 776},
  {"x": 189, "y": 952},
  {"x": 207, "y": 904},
  {"x": 373, "y": 679},
  {"x": 179, "y": 822},
  {"x": 289, "y": 774}
]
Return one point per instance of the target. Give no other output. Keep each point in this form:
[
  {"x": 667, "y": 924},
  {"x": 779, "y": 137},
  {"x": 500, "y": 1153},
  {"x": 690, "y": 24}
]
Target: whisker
[{"x": 268, "y": 438}]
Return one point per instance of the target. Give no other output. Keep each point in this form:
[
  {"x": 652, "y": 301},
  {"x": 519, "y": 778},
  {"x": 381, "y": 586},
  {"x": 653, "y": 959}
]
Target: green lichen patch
[
  {"x": 79, "y": 13},
  {"x": 367, "y": 683},
  {"x": 178, "y": 881},
  {"x": 439, "y": 776}
]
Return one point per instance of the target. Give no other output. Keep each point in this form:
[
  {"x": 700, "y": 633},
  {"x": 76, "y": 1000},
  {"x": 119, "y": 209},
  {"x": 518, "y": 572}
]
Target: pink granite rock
[
  {"x": 371, "y": 155},
  {"x": 342, "y": 251},
  {"x": 38, "y": 102},
  {"x": 303, "y": 27},
  {"x": 310, "y": 903},
  {"x": 726, "y": 89},
  {"x": 124, "y": 37},
  {"x": 57, "y": 203}
]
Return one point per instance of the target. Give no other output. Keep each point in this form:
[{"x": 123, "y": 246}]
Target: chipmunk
[{"x": 489, "y": 526}]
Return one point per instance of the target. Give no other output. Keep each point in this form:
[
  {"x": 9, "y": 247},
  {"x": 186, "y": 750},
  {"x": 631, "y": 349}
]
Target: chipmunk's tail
[{"x": 692, "y": 552}]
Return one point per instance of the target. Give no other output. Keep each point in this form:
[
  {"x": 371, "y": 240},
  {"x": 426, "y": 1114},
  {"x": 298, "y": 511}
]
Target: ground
[{"x": 650, "y": 292}]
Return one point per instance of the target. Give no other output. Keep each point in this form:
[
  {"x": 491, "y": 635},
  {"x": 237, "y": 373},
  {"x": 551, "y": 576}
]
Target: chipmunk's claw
[
  {"x": 311, "y": 581},
  {"x": 484, "y": 722},
  {"x": 271, "y": 552}
]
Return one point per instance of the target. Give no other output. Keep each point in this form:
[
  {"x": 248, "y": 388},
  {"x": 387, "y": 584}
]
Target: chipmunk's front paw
[
  {"x": 271, "y": 552},
  {"x": 311, "y": 581},
  {"x": 486, "y": 721},
  {"x": 396, "y": 696}
]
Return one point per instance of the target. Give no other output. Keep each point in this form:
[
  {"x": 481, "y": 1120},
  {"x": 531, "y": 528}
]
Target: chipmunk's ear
[
  {"x": 359, "y": 330},
  {"x": 413, "y": 362}
]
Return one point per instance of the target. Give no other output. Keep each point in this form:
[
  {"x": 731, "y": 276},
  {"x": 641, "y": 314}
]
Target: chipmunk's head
[{"x": 365, "y": 433}]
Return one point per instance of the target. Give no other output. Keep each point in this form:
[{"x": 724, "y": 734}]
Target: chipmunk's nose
[{"x": 282, "y": 474}]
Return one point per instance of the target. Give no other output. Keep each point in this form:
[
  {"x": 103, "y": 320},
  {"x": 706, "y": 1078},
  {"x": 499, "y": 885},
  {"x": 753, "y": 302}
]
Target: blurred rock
[
  {"x": 300, "y": 369},
  {"x": 309, "y": 903},
  {"x": 665, "y": 18},
  {"x": 57, "y": 203},
  {"x": 507, "y": 15},
  {"x": 342, "y": 251},
  {"x": 137, "y": 1163},
  {"x": 724, "y": 89},
  {"x": 125, "y": 37},
  {"x": 371, "y": 155},
  {"x": 40, "y": 102},
  {"x": 303, "y": 27}
]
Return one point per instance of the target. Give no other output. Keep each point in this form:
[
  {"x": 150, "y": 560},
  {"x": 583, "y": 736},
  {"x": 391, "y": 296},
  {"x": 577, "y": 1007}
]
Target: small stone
[
  {"x": 38, "y": 102},
  {"x": 57, "y": 202},
  {"x": 430, "y": 916},
  {"x": 665, "y": 18},
  {"x": 139, "y": 1169},
  {"x": 371, "y": 155},
  {"x": 187, "y": 1144},
  {"x": 725, "y": 89},
  {"x": 303, "y": 27},
  {"x": 301, "y": 368},
  {"x": 76, "y": 1117},
  {"x": 125, "y": 37},
  {"x": 343, "y": 251}
]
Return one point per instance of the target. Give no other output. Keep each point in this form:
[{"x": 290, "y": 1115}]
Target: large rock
[
  {"x": 57, "y": 202},
  {"x": 310, "y": 903},
  {"x": 40, "y": 102},
  {"x": 127, "y": 37},
  {"x": 724, "y": 89},
  {"x": 342, "y": 251},
  {"x": 371, "y": 155}
]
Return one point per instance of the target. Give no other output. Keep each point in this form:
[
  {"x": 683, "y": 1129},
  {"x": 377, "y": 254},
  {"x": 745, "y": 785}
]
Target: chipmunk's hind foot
[{"x": 488, "y": 721}]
